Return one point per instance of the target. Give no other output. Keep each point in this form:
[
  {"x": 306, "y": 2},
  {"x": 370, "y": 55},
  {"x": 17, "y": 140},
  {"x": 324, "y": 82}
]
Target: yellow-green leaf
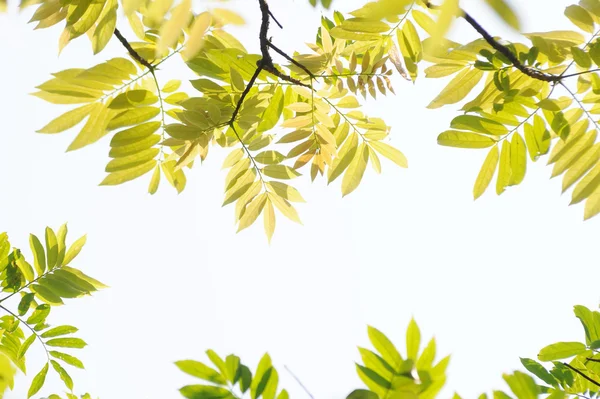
[
  {"x": 196, "y": 36},
  {"x": 453, "y": 138},
  {"x": 74, "y": 250},
  {"x": 269, "y": 219},
  {"x": 587, "y": 185},
  {"x": 518, "y": 159},
  {"x": 39, "y": 255},
  {"x": 253, "y": 210},
  {"x": 126, "y": 175},
  {"x": 390, "y": 153},
  {"x": 592, "y": 205},
  {"x": 68, "y": 119},
  {"x": 172, "y": 29},
  {"x": 504, "y": 172},
  {"x": 486, "y": 174},
  {"x": 285, "y": 207},
  {"x": 356, "y": 170},
  {"x": 505, "y": 12},
  {"x": 280, "y": 172},
  {"x": 580, "y": 17},
  {"x": 154, "y": 181},
  {"x": 458, "y": 88},
  {"x": 581, "y": 166},
  {"x": 38, "y": 382}
]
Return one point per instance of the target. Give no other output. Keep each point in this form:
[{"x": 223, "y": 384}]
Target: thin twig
[
  {"x": 131, "y": 51},
  {"x": 30, "y": 328},
  {"x": 582, "y": 374},
  {"x": 299, "y": 382},
  {"x": 505, "y": 51}
]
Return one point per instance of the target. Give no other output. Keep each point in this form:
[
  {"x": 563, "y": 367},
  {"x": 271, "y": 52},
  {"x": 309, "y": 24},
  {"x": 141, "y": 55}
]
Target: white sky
[{"x": 493, "y": 280}]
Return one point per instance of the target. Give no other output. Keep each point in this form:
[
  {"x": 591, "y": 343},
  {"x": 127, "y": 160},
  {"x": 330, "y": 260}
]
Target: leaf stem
[{"x": 30, "y": 328}]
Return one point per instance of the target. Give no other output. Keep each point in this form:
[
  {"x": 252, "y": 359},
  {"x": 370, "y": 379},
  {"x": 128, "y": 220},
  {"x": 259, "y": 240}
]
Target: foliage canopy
[{"x": 279, "y": 120}]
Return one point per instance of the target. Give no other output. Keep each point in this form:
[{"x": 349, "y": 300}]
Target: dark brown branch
[
  {"x": 293, "y": 61},
  {"x": 582, "y": 374},
  {"x": 245, "y": 93},
  {"x": 132, "y": 52},
  {"x": 266, "y": 62},
  {"x": 505, "y": 51}
]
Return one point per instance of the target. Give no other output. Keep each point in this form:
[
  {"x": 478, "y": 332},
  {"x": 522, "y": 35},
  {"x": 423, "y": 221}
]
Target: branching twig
[
  {"x": 131, "y": 51},
  {"x": 30, "y": 329},
  {"x": 266, "y": 62},
  {"x": 582, "y": 374},
  {"x": 505, "y": 51}
]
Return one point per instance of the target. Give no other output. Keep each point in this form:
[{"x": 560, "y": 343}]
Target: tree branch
[
  {"x": 266, "y": 62},
  {"x": 582, "y": 374},
  {"x": 502, "y": 49},
  {"x": 131, "y": 51}
]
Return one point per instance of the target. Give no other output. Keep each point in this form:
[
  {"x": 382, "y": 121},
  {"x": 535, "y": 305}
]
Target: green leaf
[
  {"x": 46, "y": 295},
  {"x": 74, "y": 250},
  {"x": 154, "y": 181},
  {"x": 58, "y": 331},
  {"x": 587, "y": 186},
  {"x": 71, "y": 360},
  {"x": 458, "y": 88},
  {"x": 269, "y": 157},
  {"x": 66, "y": 343},
  {"x": 67, "y": 120},
  {"x": 413, "y": 340},
  {"x": 51, "y": 248},
  {"x": 390, "y": 153},
  {"x": 200, "y": 370},
  {"x": 518, "y": 159},
  {"x": 39, "y": 314},
  {"x": 105, "y": 28},
  {"x": 25, "y": 268},
  {"x": 505, "y": 172},
  {"x": 522, "y": 385},
  {"x": 132, "y": 117},
  {"x": 344, "y": 157},
  {"x": 232, "y": 368},
  {"x": 539, "y": 371},
  {"x": 454, "y": 138},
  {"x": 385, "y": 347},
  {"x": 39, "y": 254},
  {"x": 38, "y": 382},
  {"x": 486, "y": 174},
  {"x": 61, "y": 237},
  {"x": 97, "y": 285},
  {"x": 478, "y": 124},
  {"x": 425, "y": 361},
  {"x": 280, "y": 172},
  {"x": 25, "y": 303},
  {"x": 362, "y": 394},
  {"x": 505, "y": 12},
  {"x": 580, "y": 17},
  {"x": 95, "y": 127},
  {"x": 63, "y": 374},
  {"x": 356, "y": 170},
  {"x": 253, "y": 210},
  {"x": 273, "y": 112},
  {"x": 261, "y": 377},
  {"x": 561, "y": 350},
  {"x": 126, "y": 175},
  {"x": 171, "y": 30},
  {"x": 205, "y": 392},
  {"x": 25, "y": 346}
]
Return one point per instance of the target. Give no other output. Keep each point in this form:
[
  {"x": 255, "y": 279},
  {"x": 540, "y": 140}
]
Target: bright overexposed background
[{"x": 493, "y": 280}]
